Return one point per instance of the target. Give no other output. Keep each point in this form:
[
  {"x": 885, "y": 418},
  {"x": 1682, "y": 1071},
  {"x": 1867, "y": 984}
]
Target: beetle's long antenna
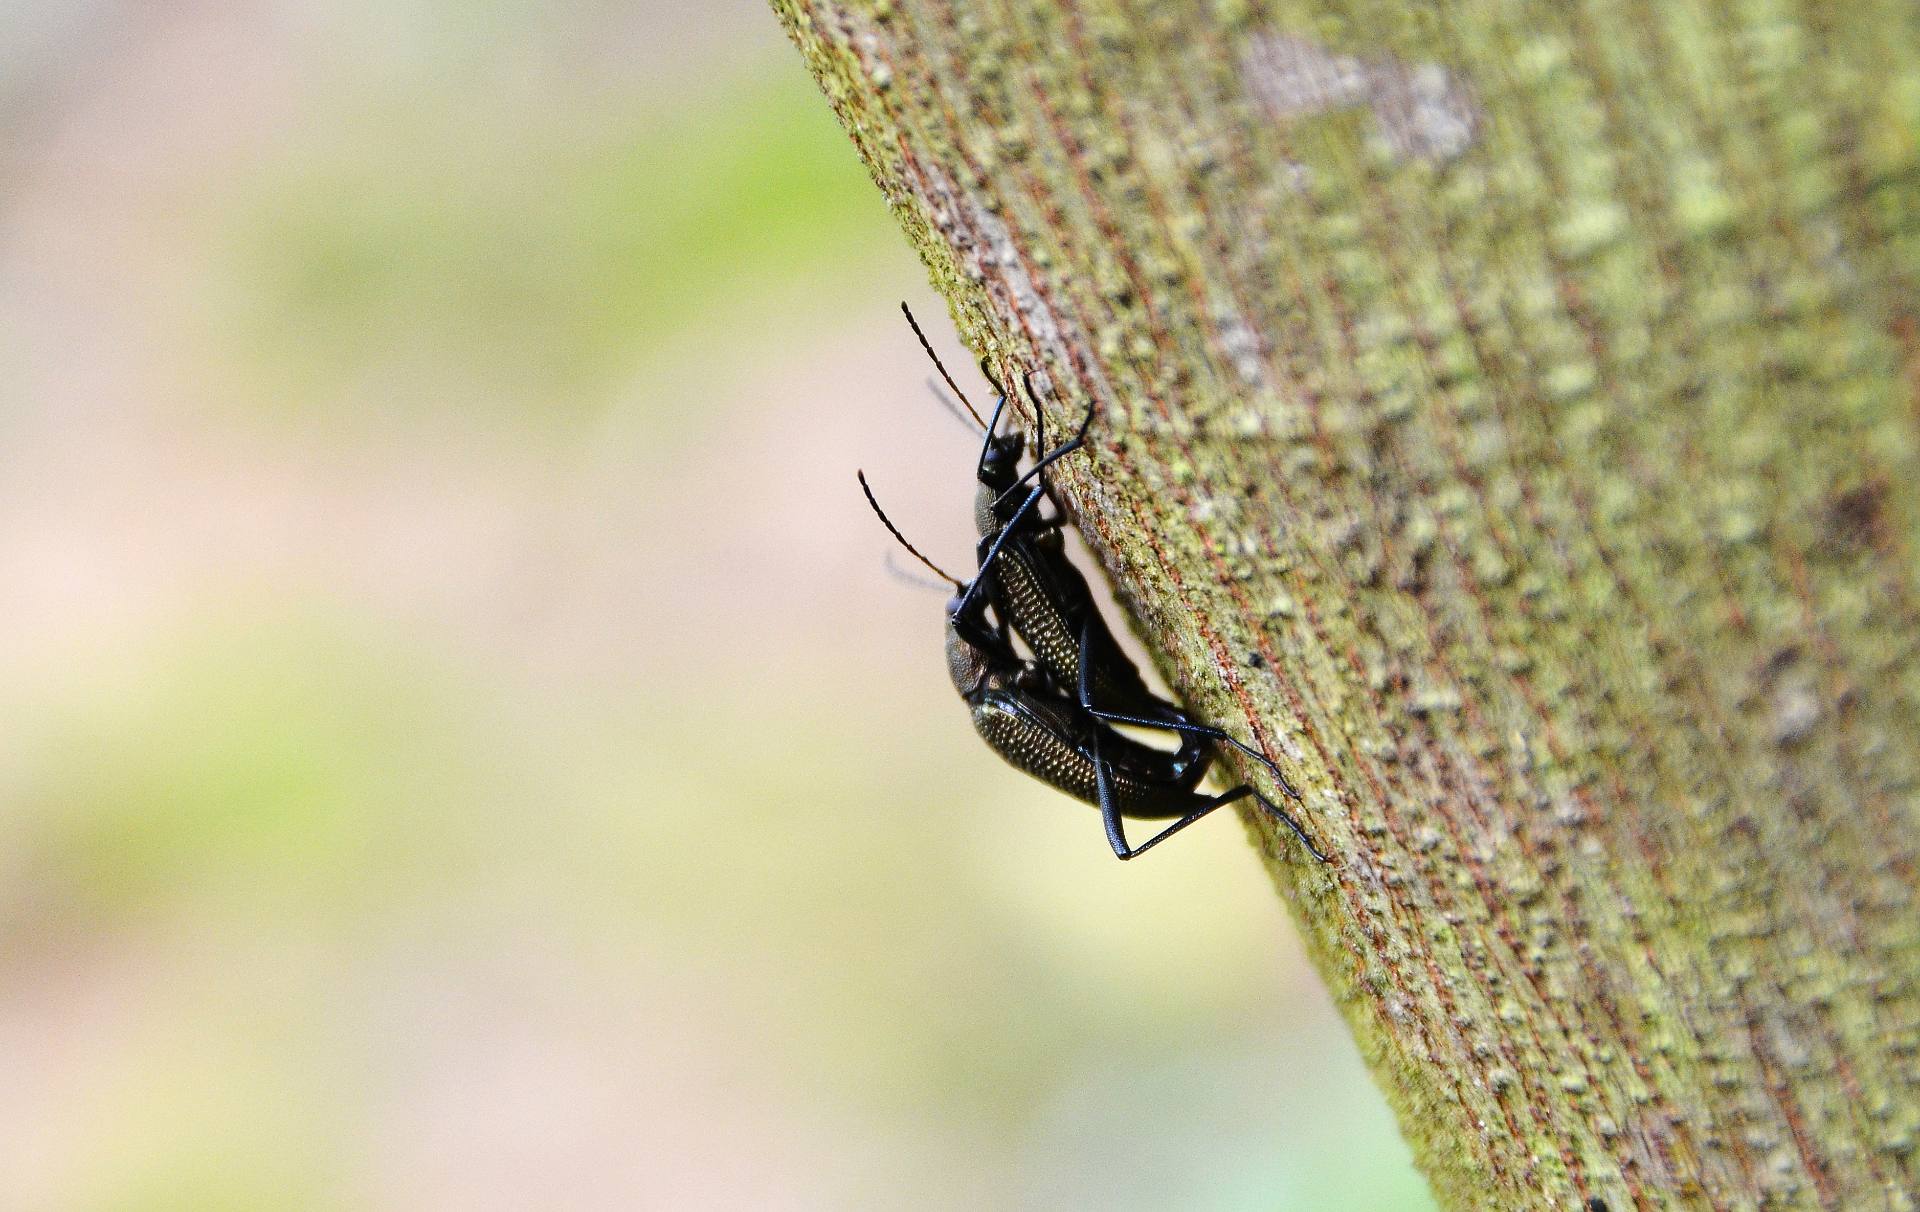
[
  {"x": 901, "y": 574},
  {"x": 946, "y": 402},
  {"x": 949, "y": 578},
  {"x": 924, "y": 344}
]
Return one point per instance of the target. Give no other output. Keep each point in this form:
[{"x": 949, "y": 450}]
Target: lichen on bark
[{"x": 1509, "y": 414}]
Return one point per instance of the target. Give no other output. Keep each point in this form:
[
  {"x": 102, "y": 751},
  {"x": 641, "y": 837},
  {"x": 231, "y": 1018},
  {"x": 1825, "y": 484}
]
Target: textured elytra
[
  {"x": 1508, "y": 411},
  {"x": 1053, "y": 745}
]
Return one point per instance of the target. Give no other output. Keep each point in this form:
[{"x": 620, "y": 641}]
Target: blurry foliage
[
  {"x": 537, "y": 259},
  {"x": 257, "y": 755}
]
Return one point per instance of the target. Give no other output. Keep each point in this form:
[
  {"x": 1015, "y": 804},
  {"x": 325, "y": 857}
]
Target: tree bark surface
[{"x": 1508, "y": 416}]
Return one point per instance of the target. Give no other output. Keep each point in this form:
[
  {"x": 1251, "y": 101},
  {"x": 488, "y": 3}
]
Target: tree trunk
[{"x": 1507, "y": 414}]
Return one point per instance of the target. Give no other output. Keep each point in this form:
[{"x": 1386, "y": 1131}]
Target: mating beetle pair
[{"x": 1053, "y": 715}]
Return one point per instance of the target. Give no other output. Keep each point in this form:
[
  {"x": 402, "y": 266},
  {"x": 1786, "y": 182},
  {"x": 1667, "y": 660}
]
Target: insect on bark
[
  {"x": 1048, "y": 603},
  {"x": 1040, "y": 713}
]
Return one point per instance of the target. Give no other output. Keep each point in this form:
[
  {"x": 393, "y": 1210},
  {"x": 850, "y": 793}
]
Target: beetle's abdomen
[{"x": 1056, "y": 748}]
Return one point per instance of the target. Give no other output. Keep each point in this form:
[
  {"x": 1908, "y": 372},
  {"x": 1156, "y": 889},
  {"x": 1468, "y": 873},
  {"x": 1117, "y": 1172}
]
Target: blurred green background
[{"x": 463, "y": 749}]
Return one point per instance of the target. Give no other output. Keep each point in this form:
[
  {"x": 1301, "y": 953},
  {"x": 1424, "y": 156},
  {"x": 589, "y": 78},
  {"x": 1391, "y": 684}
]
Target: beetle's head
[{"x": 966, "y": 664}]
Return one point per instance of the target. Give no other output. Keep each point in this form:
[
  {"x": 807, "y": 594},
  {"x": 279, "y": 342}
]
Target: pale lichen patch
[{"x": 1421, "y": 110}]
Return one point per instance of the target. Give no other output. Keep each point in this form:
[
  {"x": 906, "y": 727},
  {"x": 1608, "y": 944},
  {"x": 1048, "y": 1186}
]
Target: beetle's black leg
[
  {"x": 1286, "y": 817},
  {"x": 1200, "y": 730},
  {"x": 1188, "y": 729},
  {"x": 1110, "y": 811},
  {"x": 1183, "y": 727},
  {"x": 972, "y": 626},
  {"x": 986, "y": 444},
  {"x": 1078, "y": 440},
  {"x": 999, "y": 540},
  {"x": 1109, "y": 806},
  {"x": 1084, "y": 697},
  {"x": 1072, "y": 444}
]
